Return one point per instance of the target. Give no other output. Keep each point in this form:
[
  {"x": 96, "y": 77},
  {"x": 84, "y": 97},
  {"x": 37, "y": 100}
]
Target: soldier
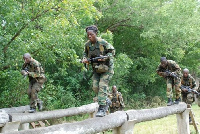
[
  {"x": 102, "y": 68},
  {"x": 35, "y": 72},
  {"x": 187, "y": 80},
  {"x": 164, "y": 69},
  {"x": 117, "y": 101}
]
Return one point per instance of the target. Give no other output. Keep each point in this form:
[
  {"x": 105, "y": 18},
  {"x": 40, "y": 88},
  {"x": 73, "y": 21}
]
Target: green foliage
[{"x": 53, "y": 31}]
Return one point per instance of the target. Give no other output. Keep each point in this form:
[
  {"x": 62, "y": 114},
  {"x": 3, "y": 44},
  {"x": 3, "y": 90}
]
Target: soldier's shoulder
[
  {"x": 190, "y": 77},
  {"x": 171, "y": 61},
  {"x": 35, "y": 62},
  {"x": 87, "y": 43},
  {"x": 105, "y": 43}
]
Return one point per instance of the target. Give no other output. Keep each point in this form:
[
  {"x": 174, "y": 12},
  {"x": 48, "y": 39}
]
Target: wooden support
[
  {"x": 194, "y": 123},
  {"x": 10, "y": 127},
  {"x": 183, "y": 122},
  {"x": 24, "y": 126},
  {"x": 126, "y": 128}
]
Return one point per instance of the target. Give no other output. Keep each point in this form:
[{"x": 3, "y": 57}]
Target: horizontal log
[
  {"x": 89, "y": 126},
  {"x": 20, "y": 109},
  {"x": 155, "y": 113},
  {"x": 38, "y": 116}
]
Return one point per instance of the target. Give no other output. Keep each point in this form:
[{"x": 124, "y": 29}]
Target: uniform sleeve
[
  {"x": 121, "y": 100},
  {"x": 194, "y": 85},
  {"x": 37, "y": 71},
  {"x": 159, "y": 71},
  {"x": 85, "y": 52}
]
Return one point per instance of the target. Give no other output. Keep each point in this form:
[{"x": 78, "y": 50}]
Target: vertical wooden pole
[
  {"x": 126, "y": 128},
  {"x": 183, "y": 122}
]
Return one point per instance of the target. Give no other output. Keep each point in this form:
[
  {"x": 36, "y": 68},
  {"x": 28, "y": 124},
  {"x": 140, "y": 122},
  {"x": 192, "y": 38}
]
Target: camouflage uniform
[
  {"x": 173, "y": 67},
  {"x": 100, "y": 78},
  {"x": 117, "y": 102},
  {"x": 36, "y": 81},
  {"x": 188, "y": 81}
]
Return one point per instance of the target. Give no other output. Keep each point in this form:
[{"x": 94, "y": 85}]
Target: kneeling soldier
[{"x": 117, "y": 101}]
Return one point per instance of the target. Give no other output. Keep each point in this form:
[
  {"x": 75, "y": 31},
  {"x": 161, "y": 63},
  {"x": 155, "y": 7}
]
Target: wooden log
[
  {"x": 89, "y": 126},
  {"x": 155, "y": 113},
  {"x": 39, "y": 116},
  {"x": 20, "y": 109}
]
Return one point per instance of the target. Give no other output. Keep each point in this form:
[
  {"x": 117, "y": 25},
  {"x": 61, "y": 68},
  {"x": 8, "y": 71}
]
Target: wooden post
[
  {"x": 24, "y": 126},
  {"x": 10, "y": 127},
  {"x": 183, "y": 122},
  {"x": 126, "y": 128}
]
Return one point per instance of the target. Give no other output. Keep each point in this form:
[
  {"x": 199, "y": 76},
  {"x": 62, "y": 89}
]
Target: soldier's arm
[
  {"x": 194, "y": 85},
  {"x": 23, "y": 71},
  {"x": 121, "y": 100},
  {"x": 160, "y": 72}
]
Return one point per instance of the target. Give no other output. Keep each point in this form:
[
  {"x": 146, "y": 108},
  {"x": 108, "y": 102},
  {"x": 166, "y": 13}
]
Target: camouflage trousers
[
  {"x": 32, "y": 92},
  {"x": 188, "y": 98},
  {"x": 100, "y": 85},
  {"x": 176, "y": 83},
  {"x": 114, "y": 109}
]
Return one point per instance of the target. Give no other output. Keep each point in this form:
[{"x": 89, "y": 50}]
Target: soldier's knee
[{"x": 95, "y": 89}]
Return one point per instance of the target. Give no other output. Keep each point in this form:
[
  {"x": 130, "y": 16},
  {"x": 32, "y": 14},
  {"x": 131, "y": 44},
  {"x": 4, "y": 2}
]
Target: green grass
[{"x": 167, "y": 125}]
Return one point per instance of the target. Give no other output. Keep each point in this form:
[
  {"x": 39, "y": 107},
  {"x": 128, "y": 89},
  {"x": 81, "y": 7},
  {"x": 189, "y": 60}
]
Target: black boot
[
  {"x": 32, "y": 110},
  {"x": 101, "y": 111},
  {"x": 40, "y": 105},
  {"x": 169, "y": 102},
  {"x": 177, "y": 101}
]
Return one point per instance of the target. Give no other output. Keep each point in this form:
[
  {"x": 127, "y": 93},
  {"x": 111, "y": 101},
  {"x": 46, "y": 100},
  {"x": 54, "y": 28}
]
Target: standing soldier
[
  {"x": 102, "y": 68},
  {"x": 187, "y": 81},
  {"x": 171, "y": 71},
  {"x": 35, "y": 72},
  {"x": 117, "y": 101}
]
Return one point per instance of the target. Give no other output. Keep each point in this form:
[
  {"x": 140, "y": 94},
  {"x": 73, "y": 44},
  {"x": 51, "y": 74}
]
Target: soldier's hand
[
  {"x": 23, "y": 72},
  {"x": 84, "y": 60},
  {"x": 184, "y": 90},
  {"x": 101, "y": 59}
]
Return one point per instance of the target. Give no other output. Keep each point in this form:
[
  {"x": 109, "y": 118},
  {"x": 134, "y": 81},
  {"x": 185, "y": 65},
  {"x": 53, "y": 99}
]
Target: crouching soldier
[{"x": 117, "y": 100}]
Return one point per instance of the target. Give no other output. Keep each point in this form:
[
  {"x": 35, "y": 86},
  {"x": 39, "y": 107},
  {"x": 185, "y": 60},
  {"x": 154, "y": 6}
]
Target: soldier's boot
[
  {"x": 40, "y": 105},
  {"x": 177, "y": 101},
  {"x": 101, "y": 111},
  {"x": 32, "y": 110},
  {"x": 169, "y": 102}
]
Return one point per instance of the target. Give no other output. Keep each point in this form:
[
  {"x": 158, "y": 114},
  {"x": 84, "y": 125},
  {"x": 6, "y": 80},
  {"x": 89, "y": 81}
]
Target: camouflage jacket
[
  {"x": 34, "y": 68},
  {"x": 188, "y": 81},
  {"x": 171, "y": 66},
  {"x": 117, "y": 100},
  {"x": 101, "y": 47}
]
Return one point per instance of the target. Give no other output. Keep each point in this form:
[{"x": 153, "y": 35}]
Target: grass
[{"x": 167, "y": 125}]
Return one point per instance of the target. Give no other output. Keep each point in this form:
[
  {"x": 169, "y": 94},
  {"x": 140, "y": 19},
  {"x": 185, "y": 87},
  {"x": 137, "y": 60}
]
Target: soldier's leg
[
  {"x": 29, "y": 91},
  {"x": 190, "y": 98},
  {"x": 102, "y": 94},
  {"x": 184, "y": 97},
  {"x": 177, "y": 84},
  {"x": 35, "y": 90},
  {"x": 95, "y": 79},
  {"x": 169, "y": 92}
]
